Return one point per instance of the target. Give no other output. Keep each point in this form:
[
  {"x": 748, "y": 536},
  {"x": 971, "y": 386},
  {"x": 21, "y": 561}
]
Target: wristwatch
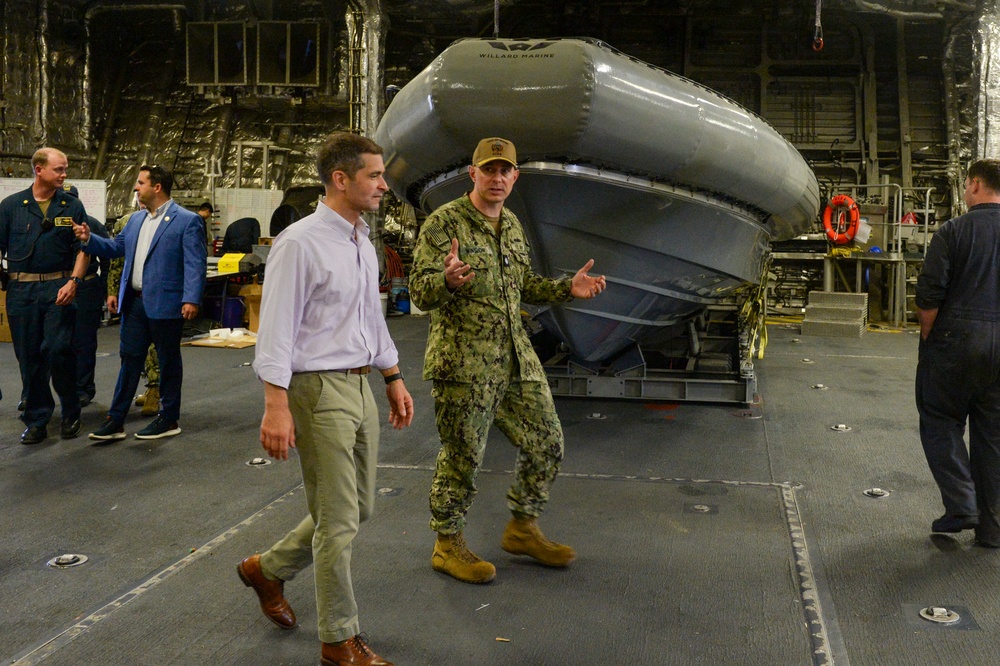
[
  {"x": 391, "y": 378},
  {"x": 77, "y": 280}
]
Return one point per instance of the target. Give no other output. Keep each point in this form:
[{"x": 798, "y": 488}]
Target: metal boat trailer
[{"x": 711, "y": 363}]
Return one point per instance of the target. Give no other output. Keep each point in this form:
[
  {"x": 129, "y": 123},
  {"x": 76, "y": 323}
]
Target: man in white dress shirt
[{"x": 321, "y": 332}]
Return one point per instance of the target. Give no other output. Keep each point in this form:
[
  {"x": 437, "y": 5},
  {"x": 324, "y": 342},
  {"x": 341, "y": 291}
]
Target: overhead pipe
[
  {"x": 156, "y": 110},
  {"x": 42, "y": 115},
  {"x": 988, "y": 70},
  {"x": 109, "y": 125},
  {"x": 366, "y": 45},
  {"x": 285, "y": 136},
  {"x": 86, "y": 120},
  {"x": 879, "y": 8},
  {"x": 951, "y": 115}
]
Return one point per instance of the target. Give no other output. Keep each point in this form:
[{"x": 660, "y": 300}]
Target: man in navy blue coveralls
[
  {"x": 46, "y": 268},
  {"x": 958, "y": 371}
]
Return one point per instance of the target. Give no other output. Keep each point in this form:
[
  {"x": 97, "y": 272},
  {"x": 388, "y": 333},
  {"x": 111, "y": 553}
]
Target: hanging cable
[
  {"x": 818, "y": 34},
  {"x": 496, "y": 19}
]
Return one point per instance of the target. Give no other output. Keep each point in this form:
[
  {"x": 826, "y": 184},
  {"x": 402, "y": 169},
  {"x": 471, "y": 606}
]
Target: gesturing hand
[
  {"x": 456, "y": 272},
  {"x": 585, "y": 286},
  {"x": 81, "y": 231}
]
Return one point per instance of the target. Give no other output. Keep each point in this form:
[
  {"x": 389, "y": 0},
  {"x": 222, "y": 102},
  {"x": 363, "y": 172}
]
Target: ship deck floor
[{"x": 706, "y": 534}]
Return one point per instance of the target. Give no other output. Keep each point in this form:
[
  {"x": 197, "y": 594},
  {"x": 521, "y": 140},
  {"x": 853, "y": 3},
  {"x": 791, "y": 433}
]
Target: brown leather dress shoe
[
  {"x": 352, "y": 652},
  {"x": 270, "y": 592}
]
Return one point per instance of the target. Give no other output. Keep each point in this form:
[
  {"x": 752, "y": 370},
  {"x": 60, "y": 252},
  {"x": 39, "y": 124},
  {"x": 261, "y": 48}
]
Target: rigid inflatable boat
[{"x": 672, "y": 188}]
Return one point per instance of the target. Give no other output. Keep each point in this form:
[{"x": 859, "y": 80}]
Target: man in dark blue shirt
[
  {"x": 46, "y": 268},
  {"x": 958, "y": 371}
]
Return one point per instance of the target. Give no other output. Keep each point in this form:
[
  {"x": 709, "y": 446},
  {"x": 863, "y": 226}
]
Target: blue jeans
[{"x": 137, "y": 332}]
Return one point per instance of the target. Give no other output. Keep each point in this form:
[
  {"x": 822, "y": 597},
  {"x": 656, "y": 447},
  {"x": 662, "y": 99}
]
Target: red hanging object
[{"x": 818, "y": 34}]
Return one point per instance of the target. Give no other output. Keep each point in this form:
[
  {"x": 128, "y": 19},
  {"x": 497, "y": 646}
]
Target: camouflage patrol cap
[{"x": 493, "y": 149}]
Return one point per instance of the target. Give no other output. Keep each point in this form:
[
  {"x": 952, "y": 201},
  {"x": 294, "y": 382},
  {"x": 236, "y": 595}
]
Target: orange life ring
[{"x": 842, "y": 228}]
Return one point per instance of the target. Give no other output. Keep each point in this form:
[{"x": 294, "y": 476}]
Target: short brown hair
[
  {"x": 342, "y": 151},
  {"x": 988, "y": 173}
]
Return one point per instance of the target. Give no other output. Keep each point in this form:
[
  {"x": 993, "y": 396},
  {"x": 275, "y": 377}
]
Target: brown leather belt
[
  {"x": 363, "y": 370},
  {"x": 40, "y": 277}
]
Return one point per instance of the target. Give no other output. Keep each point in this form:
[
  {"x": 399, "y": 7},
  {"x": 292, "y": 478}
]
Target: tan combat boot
[
  {"x": 453, "y": 557},
  {"x": 151, "y": 403},
  {"x": 522, "y": 537}
]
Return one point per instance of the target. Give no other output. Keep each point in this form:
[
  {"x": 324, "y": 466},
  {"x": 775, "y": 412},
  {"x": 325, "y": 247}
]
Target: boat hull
[
  {"x": 674, "y": 190},
  {"x": 667, "y": 253}
]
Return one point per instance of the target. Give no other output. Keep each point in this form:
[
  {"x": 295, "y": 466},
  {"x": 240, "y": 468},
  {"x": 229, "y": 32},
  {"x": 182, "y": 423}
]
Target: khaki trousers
[{"x": 336, "y": 435}]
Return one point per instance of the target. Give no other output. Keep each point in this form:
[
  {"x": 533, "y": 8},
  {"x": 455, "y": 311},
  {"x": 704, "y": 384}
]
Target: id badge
[{"x": 64, "y": 221}]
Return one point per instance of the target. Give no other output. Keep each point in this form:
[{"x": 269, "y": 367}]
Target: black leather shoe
[
  {"x": 20, "y": 405},
  {"x": 70, "y": 429},
  {"x": 85, "y": 400},
  {"x": 34, "y": 435},
  {"x": 954, "y": 524}
]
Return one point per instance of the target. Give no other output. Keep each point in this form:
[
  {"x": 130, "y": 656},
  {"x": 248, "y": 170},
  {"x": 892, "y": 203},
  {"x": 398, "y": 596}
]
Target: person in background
[
  {"x": 162, "y": 284},
  {"x": 321, "y": 333},
  {"x": 46, "y": 269},
  {"x": 958, "y": 366},
  {"x": 471, "y": 269},
  {"x": 90, "y": 299},
  {"x": 205, "y": 212}
]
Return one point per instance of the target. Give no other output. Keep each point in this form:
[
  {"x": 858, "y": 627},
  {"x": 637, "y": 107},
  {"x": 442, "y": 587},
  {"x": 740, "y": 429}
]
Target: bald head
[
  {"x": 49, "y": 165},
  {"x": 43, "y": 155}
]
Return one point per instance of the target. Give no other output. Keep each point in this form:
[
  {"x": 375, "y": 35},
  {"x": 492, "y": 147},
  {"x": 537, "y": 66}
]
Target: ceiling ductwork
[{"x": 913, "y": 10}]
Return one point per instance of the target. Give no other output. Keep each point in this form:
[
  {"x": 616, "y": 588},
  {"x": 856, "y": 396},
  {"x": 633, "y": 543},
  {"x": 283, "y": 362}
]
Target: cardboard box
[
  {"x": 4, "y": 324},
  {"x": 251, "y": 294}
]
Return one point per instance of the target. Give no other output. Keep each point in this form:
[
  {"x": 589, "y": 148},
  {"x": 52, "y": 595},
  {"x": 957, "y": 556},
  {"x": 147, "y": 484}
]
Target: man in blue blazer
[{"x": 161, "y": 286}]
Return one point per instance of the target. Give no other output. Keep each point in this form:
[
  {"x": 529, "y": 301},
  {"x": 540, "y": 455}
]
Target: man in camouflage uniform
[
  {"x": 482, "y": 364},
  {"x": 150, "y": 400}
]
